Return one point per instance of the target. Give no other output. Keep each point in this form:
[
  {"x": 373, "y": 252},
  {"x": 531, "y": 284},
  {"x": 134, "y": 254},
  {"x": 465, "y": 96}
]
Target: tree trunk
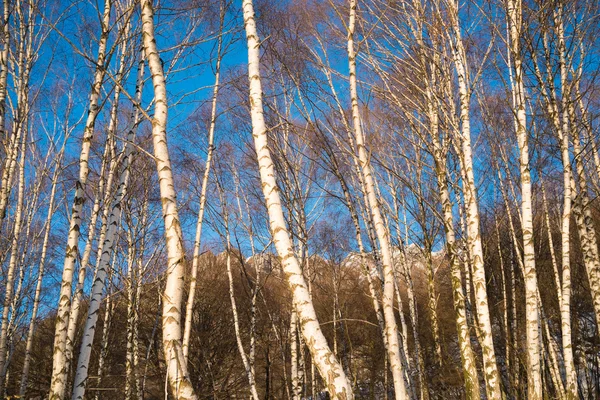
[
  {"x": 12, "y": 265},
  {"x": 492, "y": 376},
  {"x": 534, "y": 378},
  {"x": 393, "y": 347},
  {"x": 187, "y": 329},
  {"x": 179, "y": 381},
  {"x": 59, "y": 365},
  {"x": 338, "y": 385}
]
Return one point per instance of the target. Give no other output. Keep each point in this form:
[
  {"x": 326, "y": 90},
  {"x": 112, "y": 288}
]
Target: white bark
[
  {"x": 131, "y": 310},
  {"x": 133, "y": 284},
  {"x": 4, "y": 68},
  {"x": 59, "y": 366},
  {"x": 474, "y": 244},
  {"x": 12, "y": 265},
  {"x": 179, "y": 382},
  {"x": 102, "y": 196},
  {"x": 108, "y": 311},
  {"x": 534, "y": 378},
  {"x": 187, "y": 329},
  {"x": 106, "y": 248},
  {"x": 329, "y": 367},
  {"x": 295, "y": 374},
  {"x": 381, "y": 231},
  {"x": 236, "y": 322},
  {"x": 10, "y": 146}
]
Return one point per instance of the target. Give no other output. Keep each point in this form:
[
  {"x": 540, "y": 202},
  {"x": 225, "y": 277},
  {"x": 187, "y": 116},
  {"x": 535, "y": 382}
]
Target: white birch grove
[{"x": 384, "y": 200}]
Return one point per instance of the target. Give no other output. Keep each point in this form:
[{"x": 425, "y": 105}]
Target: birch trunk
[
  {"x": 131, "y": 306},
  {"x": 134, "y": 288},
  {"x": 59, "y": 365},
  {"x": 108, "y": 311},
  {"x": 565, "y": 307},
  {"x": 38, "y": 286},
  {"x": 586, "y": 229},
  {"x": 492, "y": 377},
  {"x": 393, "y": 348},
  {"x": 534, "y": 378},
  {"x": 555, "y": 269},
  {"x": 338, "y": 385},
  {"x": 106, "y": 249},
  {"x": 4, "y": 68},
  {"x": 179, "y": 381},
  {"x": 102, "y": 197},
  {"x": 12, "y": 265},
  {"x": 467, "y": 356},
  {"x": 10, "y": 143},
  {"x": 187, "y": 329},
  {"x": 295, "y": 374},
  {"x": 236, "y": 322}
]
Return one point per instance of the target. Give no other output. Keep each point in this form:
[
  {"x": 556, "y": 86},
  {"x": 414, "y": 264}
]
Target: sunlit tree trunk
[
  {"x": 534, "y": 378},
  {"x": 102, "y": 193},
  {"x": 4, "y": 70},
  {"x": 10, "y": 143},
  {"x": 294, "y": 350},
  {"x": 109, "y": 237},
  {"x": 462, "y": 327},
  {"x": 236, "y": 322},
  {"x": 133, "y": 283},
  {"x": 108, "y": 313},
  {"x": 12, "y": 265},
  {"x": 585, "y": 226},
  {"x": 391, "y": 327},
  {"x": 131, "y": 305},
  {"x": 139, "y": 386},
  {"x": 565, "y": 306},
  {"x": 332, "y": 372},
  {"x": 187, "y": 329},
  {"x": 555, "y": 269},
  {"x": 59, "y": 366},
  {"x": 181, "y": 387},
  {"x": 492, "y": 377}
]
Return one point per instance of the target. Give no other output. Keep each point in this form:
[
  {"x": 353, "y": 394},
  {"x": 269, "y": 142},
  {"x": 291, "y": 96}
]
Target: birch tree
[
  {"x": 534, "y": 380},
  {"x": 207, "y": 167},
  {"x": 331, "y": 371},
  {"x": 179, "y": 382},
  {"x": 59, "y": 367}
]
